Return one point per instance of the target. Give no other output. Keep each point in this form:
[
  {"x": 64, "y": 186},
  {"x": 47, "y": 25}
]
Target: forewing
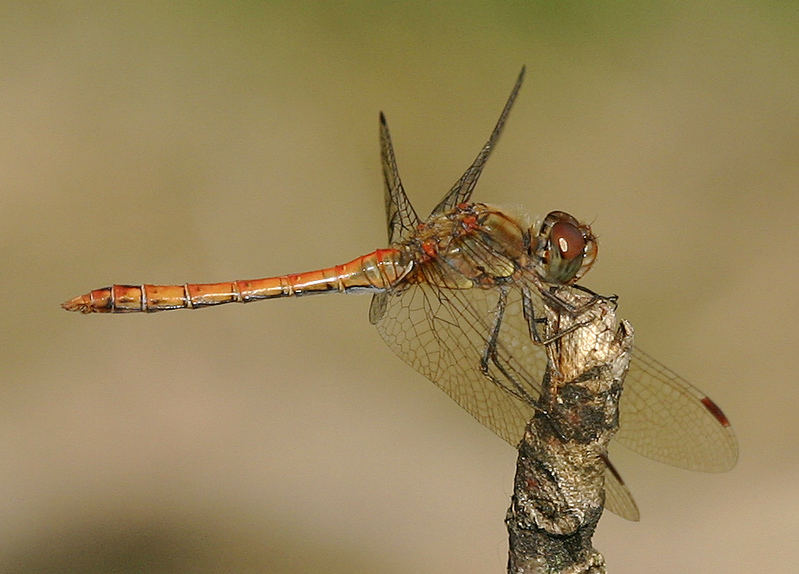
[
  {"x": 443, "y": 334},
  {"x": 401, "y": 218},
  {"x": 463, "y": 188},
  {"x": 662, "y": 416}
]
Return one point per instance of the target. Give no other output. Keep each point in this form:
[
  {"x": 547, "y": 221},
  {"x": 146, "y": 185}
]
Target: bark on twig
[{"x": 559, "y": 493}]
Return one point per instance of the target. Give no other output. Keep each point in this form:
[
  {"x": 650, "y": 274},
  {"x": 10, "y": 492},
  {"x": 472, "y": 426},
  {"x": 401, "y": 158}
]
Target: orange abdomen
[{"x": 376, "y": 271}]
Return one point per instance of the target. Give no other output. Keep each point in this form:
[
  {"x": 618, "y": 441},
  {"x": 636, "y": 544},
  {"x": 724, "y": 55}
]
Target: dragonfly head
[{"x": 564, "y": 249}]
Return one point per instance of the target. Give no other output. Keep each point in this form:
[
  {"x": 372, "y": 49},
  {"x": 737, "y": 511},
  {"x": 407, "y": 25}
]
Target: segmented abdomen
[{"x": 376, "y": 271}]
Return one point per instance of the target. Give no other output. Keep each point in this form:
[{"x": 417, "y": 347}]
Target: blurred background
[{"x": 209, "y": 141}]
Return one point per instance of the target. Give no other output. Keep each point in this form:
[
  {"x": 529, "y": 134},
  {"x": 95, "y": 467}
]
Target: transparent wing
[
  {"x": 443, "y": 334},
  {"x": 462, "y": 190},
  {"x": 401, "y": 218},
  {"x": 618, "y": 498},
  {"x": 665, "y": 418}
]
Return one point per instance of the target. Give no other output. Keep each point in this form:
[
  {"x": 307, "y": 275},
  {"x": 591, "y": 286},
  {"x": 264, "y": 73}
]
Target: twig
[{"x": 558, "y": 494}]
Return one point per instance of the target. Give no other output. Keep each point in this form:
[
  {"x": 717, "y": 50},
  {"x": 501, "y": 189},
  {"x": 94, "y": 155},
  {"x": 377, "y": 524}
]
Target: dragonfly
[{"x": 458, "y": 296}]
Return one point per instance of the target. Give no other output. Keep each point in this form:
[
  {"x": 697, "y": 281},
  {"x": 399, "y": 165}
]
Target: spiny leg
[
  {"x": 490, "y": 354},
  {"x": 613, "y": 299},
  {"x": 551, "y": 296},
  {"x": 528, "y": 309}
]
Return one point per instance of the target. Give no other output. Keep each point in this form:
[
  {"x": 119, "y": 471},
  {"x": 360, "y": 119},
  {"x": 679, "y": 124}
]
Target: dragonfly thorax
[{"x": 471, "y": 245}]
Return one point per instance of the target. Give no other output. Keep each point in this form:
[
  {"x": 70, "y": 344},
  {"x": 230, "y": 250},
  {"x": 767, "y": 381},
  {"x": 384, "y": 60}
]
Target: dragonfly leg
[
  {"x": 613, "y": 299},
  {"x": 533, "y": 322},
  {"x": 490, "y": 355},
  {"x": 570, "y": 308},
  {"x": 562, "y": 333},
  {"x": 528, "y": 310}
]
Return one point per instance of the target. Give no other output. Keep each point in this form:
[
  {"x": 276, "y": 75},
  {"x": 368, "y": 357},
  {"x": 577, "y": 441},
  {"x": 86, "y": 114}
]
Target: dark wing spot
[{"x": 716, "y": 411}]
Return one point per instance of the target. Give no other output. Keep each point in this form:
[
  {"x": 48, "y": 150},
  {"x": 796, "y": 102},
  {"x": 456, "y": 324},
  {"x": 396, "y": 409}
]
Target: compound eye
[{"x": 568, "y": 240}]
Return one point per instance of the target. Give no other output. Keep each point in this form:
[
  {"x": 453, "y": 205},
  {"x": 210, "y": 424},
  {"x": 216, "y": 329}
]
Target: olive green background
[{"x": 173, "y": 142}]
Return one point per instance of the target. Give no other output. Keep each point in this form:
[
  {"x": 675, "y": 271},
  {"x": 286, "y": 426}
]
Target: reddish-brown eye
[{"x": 568, "y": 239}]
